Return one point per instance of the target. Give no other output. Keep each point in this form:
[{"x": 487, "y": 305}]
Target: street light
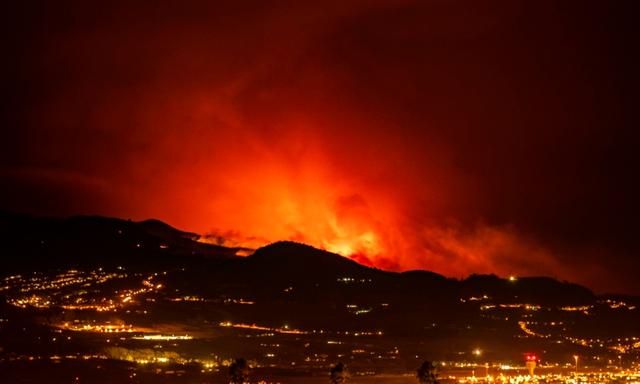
[{"x": 575, "y": 357}]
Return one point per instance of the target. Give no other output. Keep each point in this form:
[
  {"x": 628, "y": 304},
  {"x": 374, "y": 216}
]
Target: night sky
[{"x": 456, "y": 136}]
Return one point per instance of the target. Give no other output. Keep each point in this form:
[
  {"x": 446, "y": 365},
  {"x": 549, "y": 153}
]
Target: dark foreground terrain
[{"x": 101, "y": 300}]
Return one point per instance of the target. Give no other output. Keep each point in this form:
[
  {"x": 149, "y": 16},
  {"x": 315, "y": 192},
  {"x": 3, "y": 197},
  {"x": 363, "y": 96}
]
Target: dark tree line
[
  {"x": 426, "y": 374},
  {"x": 239, "y": 373}
]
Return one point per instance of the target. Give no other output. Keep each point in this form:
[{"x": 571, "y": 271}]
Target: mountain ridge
[
  {"x": 302, "y": 287},
  {"x": 73, "y": 241}
]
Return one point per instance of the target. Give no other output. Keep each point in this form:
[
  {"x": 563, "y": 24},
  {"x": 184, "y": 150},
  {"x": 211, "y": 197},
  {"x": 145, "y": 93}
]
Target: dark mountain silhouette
[
  {"x": 291, "y": 260},
  {"x": 294, "y": 261},
  {"x": 163, "y": 230},
  {"x": 535, "y": 290},
  {"x": 307, "y": 288},
  {"x": 33, "y": 243}
]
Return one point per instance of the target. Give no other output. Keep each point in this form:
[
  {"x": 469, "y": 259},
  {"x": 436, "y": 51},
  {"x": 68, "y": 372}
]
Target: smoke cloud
[{"x": 457, "y": 137}]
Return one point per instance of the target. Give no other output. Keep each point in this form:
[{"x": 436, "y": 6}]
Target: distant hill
[
  {"x": 36, "y": 243},
  {"x": 289, "y": 284},
  {"x": 288, "y": 259},
  {"x": 296, "y": 284},
  {"x": 544, "y": 290}
]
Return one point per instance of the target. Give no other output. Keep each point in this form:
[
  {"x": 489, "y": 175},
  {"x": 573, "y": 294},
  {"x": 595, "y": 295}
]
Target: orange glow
[
  {"x": 303, "y": 192},
  {"x": 360, "y": 127},
  {"x": 242, "y": 150},
  {"x": 303, "y": 184},
  {"x": 295, "y": 179},
  {"x": 301, "y": 201}
]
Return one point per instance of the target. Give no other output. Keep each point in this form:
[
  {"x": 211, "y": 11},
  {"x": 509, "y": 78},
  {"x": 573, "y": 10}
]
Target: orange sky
[{"x": 454, "y": 136}]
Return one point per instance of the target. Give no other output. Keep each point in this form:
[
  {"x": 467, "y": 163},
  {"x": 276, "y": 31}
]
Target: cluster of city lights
[
  {"x": 238, "y": 301},
  {"x": 77, "y": 291},
  {"x": 187, "y": 298},
  {"x": 72, "y": 277},
  {"x": 347, "y": 280},
  {"x": 530, "y": 332},
  {"x": 101, "y": 328},
  {"x": 358, "y": 310},
  {"x": 71, "y": 290},
  {"x": 615, "y": 304},
  {"x": 288, "y": 330},
  {"x": 527, "y": 307},
  {"x": 284, "y": 329},
  {"x": 163, "y": 337}
]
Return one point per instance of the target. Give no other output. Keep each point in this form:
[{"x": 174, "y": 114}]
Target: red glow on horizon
[
  {"x": 324, "y": 198},
  {"x": 405, "y": 135}
]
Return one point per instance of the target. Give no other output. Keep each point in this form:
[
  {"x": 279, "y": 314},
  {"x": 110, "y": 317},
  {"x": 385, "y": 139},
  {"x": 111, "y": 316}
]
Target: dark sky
[{"x": 456, "y": 136}]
